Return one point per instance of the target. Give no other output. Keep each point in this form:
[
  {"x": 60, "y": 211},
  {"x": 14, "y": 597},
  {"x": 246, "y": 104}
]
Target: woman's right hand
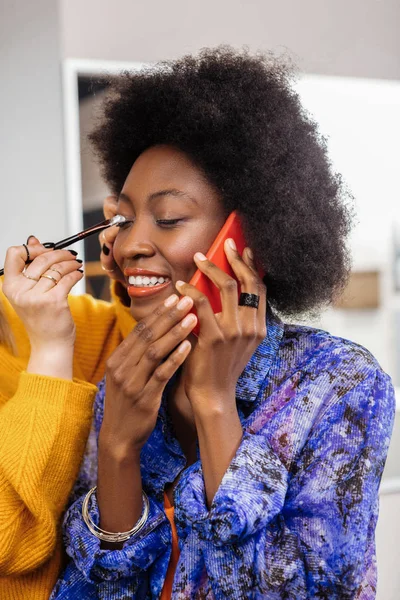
[
  {"x": 137, "y": 373},
  {"x": 39, "y": 297}
]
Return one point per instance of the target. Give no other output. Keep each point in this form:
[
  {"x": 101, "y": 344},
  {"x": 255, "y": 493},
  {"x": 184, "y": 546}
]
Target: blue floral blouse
[{"x": 295, "y": 514}]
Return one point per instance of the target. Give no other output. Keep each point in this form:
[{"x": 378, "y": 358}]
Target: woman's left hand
[
  {"x": 107, "y": 239},
  {"x": 226, "y": 340}
]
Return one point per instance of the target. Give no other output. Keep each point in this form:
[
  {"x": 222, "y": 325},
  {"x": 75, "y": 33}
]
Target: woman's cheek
[{"x": 180, "y": 257}]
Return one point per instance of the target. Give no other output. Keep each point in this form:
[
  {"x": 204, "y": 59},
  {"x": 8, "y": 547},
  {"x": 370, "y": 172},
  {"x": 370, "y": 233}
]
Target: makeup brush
[{"x": 117, "y": 220}]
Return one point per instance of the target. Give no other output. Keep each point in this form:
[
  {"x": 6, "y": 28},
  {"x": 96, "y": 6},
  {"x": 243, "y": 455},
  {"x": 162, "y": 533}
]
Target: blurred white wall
[
  {"x": 387, "y": 546},
  {"x": 31, "y": 131},
  {"x": 333, "y": 37},
  {"x": 361, "y": 118},
  {"x": 388, "y": 528}
]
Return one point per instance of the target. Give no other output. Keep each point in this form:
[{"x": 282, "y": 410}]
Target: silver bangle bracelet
[{"x": 109, "y": 536}]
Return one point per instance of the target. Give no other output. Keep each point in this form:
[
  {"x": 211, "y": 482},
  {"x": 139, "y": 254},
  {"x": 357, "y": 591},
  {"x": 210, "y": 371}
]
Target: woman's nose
[
  {"x": 141, "y": 249},
  {"x": 138, "y": 242}
]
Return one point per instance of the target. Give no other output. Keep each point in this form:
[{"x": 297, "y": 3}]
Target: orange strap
[{"x": 173, "y": 561}]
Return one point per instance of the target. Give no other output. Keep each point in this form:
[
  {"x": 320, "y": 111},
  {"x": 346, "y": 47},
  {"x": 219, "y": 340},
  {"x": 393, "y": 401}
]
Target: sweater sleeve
[
  {"x": 100, "y": 328},
  {"x": 304, "y": 534},
  {"x": 97, "y": 334},
  {"x": 44, "y": 427}
]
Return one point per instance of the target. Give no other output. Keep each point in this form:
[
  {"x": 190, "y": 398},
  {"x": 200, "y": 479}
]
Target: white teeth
[{"x": 145, "y": 281}]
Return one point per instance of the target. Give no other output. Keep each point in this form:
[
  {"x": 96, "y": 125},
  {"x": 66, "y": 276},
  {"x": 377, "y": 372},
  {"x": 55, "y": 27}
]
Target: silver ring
[{"x": 28, "y": 276}]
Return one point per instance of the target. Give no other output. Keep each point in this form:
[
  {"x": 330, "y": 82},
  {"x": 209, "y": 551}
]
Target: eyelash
[
  {"x": 168, "y": 222},
  {"x": 124, "y": 224},
  {"x": 161, "y": 222}
]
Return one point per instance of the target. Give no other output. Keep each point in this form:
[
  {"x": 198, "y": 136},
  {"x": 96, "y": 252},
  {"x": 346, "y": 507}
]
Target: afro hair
[{"x": 237, "y": 116}]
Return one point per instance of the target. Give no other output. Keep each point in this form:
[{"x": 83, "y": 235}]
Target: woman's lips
[
  {"x": 136, "y": 290},
  {"x": 143, "y": 292}
]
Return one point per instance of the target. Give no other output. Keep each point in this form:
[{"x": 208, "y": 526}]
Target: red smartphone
[{"x": 216, "y": 254}]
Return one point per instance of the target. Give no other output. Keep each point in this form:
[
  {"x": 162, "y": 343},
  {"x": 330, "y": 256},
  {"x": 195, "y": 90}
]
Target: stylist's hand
[
  {"x": 226, "y": 340},
  {"x": 39, "y": 297},
  {"x": 138, "y": 371},
  {"x": 107, "y": 239}
]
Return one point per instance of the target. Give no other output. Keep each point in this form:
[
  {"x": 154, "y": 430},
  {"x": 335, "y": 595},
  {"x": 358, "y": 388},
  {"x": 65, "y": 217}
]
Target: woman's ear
[{"x": 110, "y": 207}]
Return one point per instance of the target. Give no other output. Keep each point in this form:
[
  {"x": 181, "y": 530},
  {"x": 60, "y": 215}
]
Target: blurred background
[{"x": 53, "y": 56}]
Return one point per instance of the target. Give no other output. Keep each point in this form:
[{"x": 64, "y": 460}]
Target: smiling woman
[
  {"x": 244, "y": 462},
  {"x": 221, "y": 459}
]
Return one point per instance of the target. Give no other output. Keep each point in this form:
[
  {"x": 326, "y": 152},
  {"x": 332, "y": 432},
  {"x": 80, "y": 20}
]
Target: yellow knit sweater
[{"x": 44, "y": 424}]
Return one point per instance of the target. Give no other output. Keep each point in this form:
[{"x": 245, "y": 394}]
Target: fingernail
[
  {"x": 231, "y": 243},
  {"x": 80, "y": 270},
  {"x": 29, "y": 237},
  {"x": 74, "y": 253},
  {"x": 250, "y": 253},
  {"x": 185, "y": 345},
  {"x": 48, "y": 244},
  {"x": 200, "y": 256},
  {"x": 184, "y": 302},
  {"x": 189, "y": 320},
  {"x": 170, "y": 301},
  {"x": 106, "y": 250},
  {"x": 79, "y": 260},
  {"x": 179, "y": 283}
]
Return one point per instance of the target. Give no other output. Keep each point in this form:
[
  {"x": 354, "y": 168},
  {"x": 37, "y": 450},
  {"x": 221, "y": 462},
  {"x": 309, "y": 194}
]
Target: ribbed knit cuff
[{"x": 38, "y": 389}]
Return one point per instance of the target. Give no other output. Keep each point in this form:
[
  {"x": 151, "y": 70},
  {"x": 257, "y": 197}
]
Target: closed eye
[
  {"x": 168, "y": 222},
  {"x": 161, "y": 222}
]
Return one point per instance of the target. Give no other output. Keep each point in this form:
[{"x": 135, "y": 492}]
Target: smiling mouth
[{"x": 144, "y": 281}]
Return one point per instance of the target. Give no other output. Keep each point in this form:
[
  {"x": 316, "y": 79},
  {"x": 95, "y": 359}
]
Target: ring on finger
[
  {"x": 108, "y": 270},
  {"x": 28, "y": 276},
  {"x": 28, "y": 256},
  {"x": 251, "y": 300},
  {"x": 49, "y": 277},
  {"x": 56, "y": 271}
]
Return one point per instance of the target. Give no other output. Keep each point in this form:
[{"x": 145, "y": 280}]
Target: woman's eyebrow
[
  {"x": 170, "y": 192},
  {"x": 155, "y": 195}
]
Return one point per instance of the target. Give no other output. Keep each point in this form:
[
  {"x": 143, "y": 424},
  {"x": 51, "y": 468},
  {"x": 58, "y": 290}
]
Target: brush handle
[{"x": 117, "y": 220}]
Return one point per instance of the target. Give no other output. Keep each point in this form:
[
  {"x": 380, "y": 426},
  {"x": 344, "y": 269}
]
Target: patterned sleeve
[
  {"x": 309, "y": 532},
  {"x": 136, "y": 556},
  {"x": 95, "y": 572}
]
